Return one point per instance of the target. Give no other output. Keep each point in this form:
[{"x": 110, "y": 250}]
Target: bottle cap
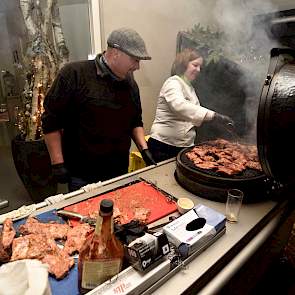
[{"x": 106, "y": 206}]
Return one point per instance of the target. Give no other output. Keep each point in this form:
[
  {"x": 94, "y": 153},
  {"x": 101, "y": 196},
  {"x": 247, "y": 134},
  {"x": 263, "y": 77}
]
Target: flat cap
[{"x": 128, "y": 41}]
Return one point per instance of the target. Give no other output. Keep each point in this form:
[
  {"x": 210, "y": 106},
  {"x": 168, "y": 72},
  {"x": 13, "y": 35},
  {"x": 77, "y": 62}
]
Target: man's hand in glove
[
  {"x": 222, "y": 120},
  {"x": 60, "y": 173},
  {"x": 147, "y": 157}
]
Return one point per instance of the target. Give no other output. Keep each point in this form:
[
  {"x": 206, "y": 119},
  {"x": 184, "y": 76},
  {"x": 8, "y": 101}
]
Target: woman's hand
[{"x": 222, "y": 120}]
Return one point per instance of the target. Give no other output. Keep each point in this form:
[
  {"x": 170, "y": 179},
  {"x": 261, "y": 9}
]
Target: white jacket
[{"x": 178, "y": 111}]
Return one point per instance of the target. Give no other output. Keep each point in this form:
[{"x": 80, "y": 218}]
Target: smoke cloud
[{"x": 251, "y": 44}]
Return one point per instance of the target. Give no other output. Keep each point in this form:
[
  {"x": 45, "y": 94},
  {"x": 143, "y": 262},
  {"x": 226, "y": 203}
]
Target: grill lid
[{"x": 276, "y": 118}]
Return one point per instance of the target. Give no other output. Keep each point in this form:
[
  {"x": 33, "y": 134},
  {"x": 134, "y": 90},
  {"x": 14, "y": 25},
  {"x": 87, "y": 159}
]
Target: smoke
[
  {"x": 251, "y": 44},
  {"x": 235, "y": 17}
]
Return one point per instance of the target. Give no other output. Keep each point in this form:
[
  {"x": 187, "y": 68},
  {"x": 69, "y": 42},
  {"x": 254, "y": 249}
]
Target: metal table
[{"x": 211, "y": 269}]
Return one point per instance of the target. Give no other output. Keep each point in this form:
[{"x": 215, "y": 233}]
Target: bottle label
[{"x": 95, "y": 272}]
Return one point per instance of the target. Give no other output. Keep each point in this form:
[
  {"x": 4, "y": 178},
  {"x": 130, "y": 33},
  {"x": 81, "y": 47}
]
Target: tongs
[{"x": 230, "y": 128}]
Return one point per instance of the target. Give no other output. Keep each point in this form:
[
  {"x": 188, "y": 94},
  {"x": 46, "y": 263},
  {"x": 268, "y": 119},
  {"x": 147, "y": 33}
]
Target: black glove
[
  {"x": 60, "y": 173},
  {"x": 222, "y": 120},
  {"x": 147, "y": 157},
  {"x": 128, "y": 232}
]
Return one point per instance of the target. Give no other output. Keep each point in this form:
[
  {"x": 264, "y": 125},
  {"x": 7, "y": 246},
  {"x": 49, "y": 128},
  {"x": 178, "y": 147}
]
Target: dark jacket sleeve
[
  {"x": 137, "y": 120},
  {"x": 58, "y": 99}
]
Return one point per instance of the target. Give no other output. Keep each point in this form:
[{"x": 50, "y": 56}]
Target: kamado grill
[{"x": 275, "y": 129}]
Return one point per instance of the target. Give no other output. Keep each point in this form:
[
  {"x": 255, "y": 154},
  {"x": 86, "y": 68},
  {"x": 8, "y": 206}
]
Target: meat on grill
[
  {"x": 43, "y": 248},
  {"x": 76, "y": 237},
  {"x": 54, "y": 230},
  {"x": 225, "y": 157}
]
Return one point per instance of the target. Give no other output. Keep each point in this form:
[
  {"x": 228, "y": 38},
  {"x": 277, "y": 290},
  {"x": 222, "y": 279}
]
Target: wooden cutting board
[{"x": 128, "y": 199}]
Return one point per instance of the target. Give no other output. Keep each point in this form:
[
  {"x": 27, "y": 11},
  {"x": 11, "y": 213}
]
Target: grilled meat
[
  {"x": 6, "y": 237},
  {"x": 142, "y": 214},
  {"x": 4, "y": 253},
  {"x": 59, "y": 263},
  {"x": 76, "y": 237},
  {"x": 43, "y": 248},
  {"x": 53, "y": 230},
  {"x": 33, "y": 246},
  {"x": 224, "y": 157},
  {"x": 8, "y": 233}
]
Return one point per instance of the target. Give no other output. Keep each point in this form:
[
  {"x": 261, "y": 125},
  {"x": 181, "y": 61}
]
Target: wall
[{"x": 75, "y": 24}]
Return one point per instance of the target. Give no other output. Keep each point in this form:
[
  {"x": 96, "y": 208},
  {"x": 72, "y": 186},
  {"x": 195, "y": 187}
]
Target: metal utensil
[
  {"x": 76, "y": 216},
  {"x": 230, "y": 128}
]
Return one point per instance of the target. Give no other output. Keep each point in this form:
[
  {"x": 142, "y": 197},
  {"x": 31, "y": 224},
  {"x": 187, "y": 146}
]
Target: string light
[{"x": 41, "y": 66}]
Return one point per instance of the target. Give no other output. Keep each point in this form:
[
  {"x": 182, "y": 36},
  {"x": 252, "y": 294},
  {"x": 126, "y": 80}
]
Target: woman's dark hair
[{"x": 182, "y": 60}]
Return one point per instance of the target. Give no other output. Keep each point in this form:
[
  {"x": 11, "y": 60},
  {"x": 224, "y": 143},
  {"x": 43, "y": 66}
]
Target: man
[{"x": 93, "y": 110}]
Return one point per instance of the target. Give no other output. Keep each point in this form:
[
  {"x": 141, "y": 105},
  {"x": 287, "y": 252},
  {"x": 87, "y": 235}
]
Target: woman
[{"x": 179, "y": 110}]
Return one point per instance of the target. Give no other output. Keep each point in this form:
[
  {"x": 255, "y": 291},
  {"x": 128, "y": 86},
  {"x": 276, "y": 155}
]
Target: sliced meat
[
  {"x": 199, "y": 151},
  {"x": 198, "y": 161},
  {"x": 225, "y": 170},
  {"x": 33, "y": 246},
  {"x": 208, "y": 159},
  {"x": 207, "y": 165},
  {"x": 8, "y": 233},
  {"x": 119, "y": 217},
  {"x": 236, "y": 168},
  {"x": 4, "y": 253},
  {"x": 254, "y": 165},
  {"x": 43, "y": 248},
  {"x": 54, "y": 230},
  {"x": 223, "y": 161},
  {"x": 76, "y": 237},
  {"x": 58, "y": 264},
  {"x": 141, "y": 214}
]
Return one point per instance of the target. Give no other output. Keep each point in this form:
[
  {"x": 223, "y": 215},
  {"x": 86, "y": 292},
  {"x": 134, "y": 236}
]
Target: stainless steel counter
[
  {"x": 241, "y": 240},
  {"x": 209, "y": 271}
]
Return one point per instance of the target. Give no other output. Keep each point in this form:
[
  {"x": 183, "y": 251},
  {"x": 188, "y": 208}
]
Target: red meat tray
[{"x": 128, "y": 199}]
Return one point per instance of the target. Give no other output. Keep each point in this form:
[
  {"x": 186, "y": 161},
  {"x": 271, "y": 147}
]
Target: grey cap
[{"x": 128, "y": 41}]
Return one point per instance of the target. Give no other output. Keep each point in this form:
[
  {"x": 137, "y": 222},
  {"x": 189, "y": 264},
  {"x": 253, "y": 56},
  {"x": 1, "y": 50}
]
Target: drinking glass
[{"x": 233, "y": 204}]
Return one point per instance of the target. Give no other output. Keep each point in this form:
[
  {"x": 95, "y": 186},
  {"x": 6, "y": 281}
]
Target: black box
[{"x": 146, "y": 250}]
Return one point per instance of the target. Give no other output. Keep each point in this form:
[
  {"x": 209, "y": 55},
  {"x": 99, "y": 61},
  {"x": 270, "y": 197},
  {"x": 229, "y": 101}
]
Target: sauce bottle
[{"x": 101, "y": 256}]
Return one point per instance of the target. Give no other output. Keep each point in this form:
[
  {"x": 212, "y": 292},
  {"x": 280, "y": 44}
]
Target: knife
[{"x": 76, "y": 216}]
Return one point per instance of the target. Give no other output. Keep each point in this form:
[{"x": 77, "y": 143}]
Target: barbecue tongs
[
  {"x": 230, "y": 128},
  {"x": 77, "y": 216}
]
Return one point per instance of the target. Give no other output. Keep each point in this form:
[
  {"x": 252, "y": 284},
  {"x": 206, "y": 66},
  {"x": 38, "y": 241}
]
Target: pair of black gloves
[{"x": 61, "y": 174}]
